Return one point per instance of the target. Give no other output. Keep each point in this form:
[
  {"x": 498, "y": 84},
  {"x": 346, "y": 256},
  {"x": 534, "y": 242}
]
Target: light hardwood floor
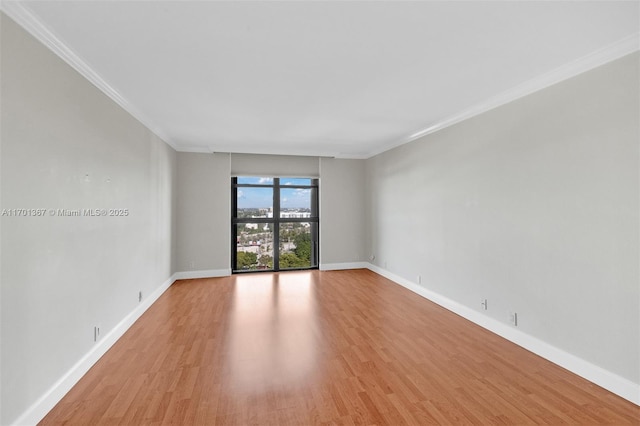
[{"x": 335, "y": 347}]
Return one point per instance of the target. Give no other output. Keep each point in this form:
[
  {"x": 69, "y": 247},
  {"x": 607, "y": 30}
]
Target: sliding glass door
[{"x": 274, "y": 223}]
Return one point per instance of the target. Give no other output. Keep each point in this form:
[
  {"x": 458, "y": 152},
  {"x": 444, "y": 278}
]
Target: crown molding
[
  {"x": 197, "y": 149},
  {"x": 230, "y": 148},
  {"x": 595, "y": 59},
  {"x": 16, "y": 10},
  {"x": 194, "y": 149},
  {"x": 34, "y": 26}
]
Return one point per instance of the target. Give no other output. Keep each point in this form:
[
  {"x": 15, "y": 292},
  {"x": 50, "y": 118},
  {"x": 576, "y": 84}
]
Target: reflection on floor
[{"x": 335, "y": 347}]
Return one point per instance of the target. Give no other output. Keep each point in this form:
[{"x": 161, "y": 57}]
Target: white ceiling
[{"x": 345, "y": 79}]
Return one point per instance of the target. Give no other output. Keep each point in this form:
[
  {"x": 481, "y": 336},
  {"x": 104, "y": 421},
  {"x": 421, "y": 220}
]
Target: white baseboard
[
  {"x": 598, "y": 375},
  {"x": 207, "y": 273},
  {"x": 595, "y": 374},
  {"x": 341, "y": 266},
  {"x": 46, "y": 402}
]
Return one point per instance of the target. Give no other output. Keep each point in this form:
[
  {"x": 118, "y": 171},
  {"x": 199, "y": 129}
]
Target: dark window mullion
[
  {"x": 251, "y": 185},
  {"x": 285, "y": 219},
  {"x": 234, "y": 226},
  {"x": 295, "y": 186},
  {"x": 254, "y": 220},
  {"x": 276, "y": 224},
  {"x": 276, "y": 220}
]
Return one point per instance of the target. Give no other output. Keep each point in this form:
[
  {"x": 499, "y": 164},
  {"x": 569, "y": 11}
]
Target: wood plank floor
[{"x": 334, "y": 347}]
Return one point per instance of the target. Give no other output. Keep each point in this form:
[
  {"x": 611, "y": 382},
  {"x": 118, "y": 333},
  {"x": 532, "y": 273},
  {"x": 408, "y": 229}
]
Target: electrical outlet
[
  {"x": 140, "y": 296},
  {"x": 96, "y": 333},
  {"x": 192, "y": 265},
  {"x": 385, "y": 264},
  {"x": 513, "y": 318},
  {"x": 419, "y": 279},
  {"x": 484, "y": 304}
]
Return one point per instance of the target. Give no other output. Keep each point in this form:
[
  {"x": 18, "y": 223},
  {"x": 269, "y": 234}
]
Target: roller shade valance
[{"x": 274, "y": 165}]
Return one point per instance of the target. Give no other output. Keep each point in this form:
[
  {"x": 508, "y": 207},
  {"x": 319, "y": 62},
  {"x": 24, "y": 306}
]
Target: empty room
[{"x": 319, "y": 212}]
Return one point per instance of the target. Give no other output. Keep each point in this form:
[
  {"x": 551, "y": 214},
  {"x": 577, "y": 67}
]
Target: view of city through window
[{"x": 275, "y": 223}]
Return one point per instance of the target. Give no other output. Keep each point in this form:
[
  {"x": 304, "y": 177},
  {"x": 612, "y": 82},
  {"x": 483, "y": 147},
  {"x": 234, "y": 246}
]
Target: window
[{"x": 274, "y": 223}]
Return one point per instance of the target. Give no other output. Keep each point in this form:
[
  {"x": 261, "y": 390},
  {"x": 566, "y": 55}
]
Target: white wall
[
  {"x": 273, "y": 165},
  {"x": 342, "y": 212},
  {"x": 204, "y": 221},
  {"x": 534, "y": 206},
  {"x": 65, "y": 145},
  {"x": 204, "y": 215}
]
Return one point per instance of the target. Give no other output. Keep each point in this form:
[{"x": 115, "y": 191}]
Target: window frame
[{"x": 276, "y": 220}]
